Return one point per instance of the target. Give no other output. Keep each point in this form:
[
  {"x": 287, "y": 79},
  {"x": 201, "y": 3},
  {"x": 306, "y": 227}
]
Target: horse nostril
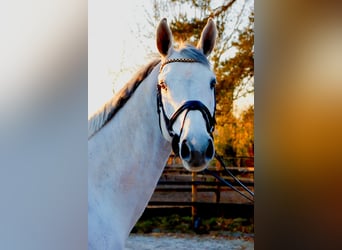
[
  {"x": 185, "y": 151},
  {"x": 209, "y": 153}
]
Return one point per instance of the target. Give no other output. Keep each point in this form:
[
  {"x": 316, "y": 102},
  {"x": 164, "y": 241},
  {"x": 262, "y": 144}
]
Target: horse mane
[{"x": 100, "y": 118}]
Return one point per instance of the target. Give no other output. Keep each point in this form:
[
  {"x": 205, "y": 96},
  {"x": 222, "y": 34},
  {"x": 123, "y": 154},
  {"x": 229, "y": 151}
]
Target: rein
[
  {"x": 219, "y": 158},
  {"x": 186, "y": 106}
]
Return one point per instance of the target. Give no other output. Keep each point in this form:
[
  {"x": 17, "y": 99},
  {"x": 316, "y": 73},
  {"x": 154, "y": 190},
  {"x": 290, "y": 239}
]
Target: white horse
[{"x": 169, "y": 104}]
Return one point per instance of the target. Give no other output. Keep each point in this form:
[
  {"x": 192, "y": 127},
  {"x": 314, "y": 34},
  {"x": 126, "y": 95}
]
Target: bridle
[
  {"x": 210, "y": 124},
  {"x": 185, "y": 107}
]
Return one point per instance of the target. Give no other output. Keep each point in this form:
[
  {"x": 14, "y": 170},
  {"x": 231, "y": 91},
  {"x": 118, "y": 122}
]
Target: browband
[{"x": 176, "y": 60}]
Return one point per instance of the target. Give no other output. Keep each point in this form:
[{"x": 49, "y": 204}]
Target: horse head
[{"x": 186, "y": 96}]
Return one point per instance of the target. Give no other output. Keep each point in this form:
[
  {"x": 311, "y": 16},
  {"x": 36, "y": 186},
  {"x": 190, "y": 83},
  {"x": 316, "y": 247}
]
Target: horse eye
[
  {"x": 212, "y": 83},
  {"x": 162, "y": 85}
]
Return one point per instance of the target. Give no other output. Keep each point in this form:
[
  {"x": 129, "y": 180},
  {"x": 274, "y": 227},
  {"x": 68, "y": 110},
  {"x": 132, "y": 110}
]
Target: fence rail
[{"x": 178, "y": 187}]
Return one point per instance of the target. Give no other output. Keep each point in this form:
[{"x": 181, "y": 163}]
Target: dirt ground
[{"x": 188, "y": 242}]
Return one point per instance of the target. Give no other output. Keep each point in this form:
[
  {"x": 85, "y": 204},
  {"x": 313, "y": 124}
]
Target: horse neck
[
  {"x": 134, "y": 134},
  {"x": 146, "y": 147},
  {"x": 126, "y": 159},
  {"x": 139, "y": 122}
]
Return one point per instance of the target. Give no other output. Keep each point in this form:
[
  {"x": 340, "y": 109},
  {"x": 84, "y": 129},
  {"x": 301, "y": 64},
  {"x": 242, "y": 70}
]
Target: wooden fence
[{"x": 179, "y": 188}]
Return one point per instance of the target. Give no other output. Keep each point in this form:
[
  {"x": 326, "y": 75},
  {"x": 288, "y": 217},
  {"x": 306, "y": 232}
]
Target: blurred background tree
[{"x": 232, "y": 61}]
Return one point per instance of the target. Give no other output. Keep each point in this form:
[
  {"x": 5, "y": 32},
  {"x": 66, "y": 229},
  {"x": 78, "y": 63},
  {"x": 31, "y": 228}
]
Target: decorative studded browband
[{"x": 189, "y": 60}]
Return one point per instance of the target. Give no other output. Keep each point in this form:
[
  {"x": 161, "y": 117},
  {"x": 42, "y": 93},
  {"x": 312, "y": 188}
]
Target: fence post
[
  {"x": 218, "y": 187},
  {"x": 193, "y": 195}
]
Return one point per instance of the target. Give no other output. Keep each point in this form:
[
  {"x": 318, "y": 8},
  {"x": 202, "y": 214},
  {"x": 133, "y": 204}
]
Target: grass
[{"x": 185, "y": 224}]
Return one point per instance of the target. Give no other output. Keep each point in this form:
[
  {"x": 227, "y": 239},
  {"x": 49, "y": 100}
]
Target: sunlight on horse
[{"x": 168, "y": 105}]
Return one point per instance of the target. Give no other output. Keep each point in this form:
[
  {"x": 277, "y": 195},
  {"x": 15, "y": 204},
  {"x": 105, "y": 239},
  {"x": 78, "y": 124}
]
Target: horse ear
[
  {"x": 208, "y": 37},
  {"x": 164, "y": 37}
]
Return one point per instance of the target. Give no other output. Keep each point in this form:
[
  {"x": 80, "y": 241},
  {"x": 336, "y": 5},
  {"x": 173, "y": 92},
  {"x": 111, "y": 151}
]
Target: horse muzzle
[{"x": 195, "y": 156}]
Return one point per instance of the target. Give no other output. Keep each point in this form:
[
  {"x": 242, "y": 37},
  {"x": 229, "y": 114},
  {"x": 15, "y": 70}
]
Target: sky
[
  {"x": 111, "y": 46},
  {"x": 115, "y": 50}
]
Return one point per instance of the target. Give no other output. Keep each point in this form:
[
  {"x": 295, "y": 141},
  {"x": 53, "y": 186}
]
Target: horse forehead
[{"x": 189, "y": 72}]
